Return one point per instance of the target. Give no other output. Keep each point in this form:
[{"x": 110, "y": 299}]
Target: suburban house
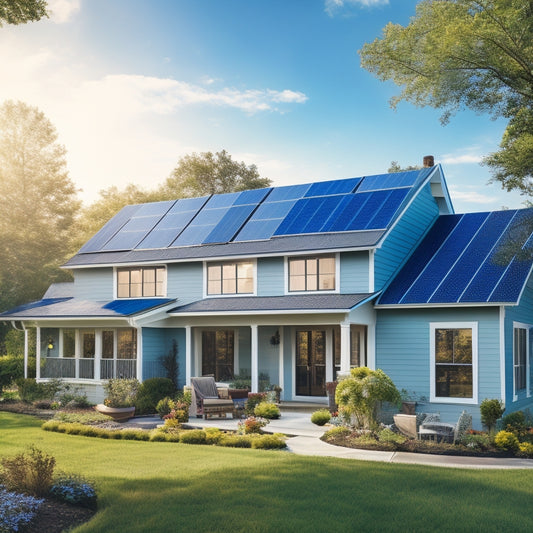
[{"x": 293, "y": 285}]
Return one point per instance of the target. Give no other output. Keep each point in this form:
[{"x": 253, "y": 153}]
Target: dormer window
[
  {"x": 230, "y": 278},
  {"x": 141, "y": 282},
  {"x": 312, "y": 273}
]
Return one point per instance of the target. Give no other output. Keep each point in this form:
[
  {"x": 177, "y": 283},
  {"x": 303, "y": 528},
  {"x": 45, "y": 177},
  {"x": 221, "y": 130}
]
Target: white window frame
[
  {"x": 142, "y": 267},
  {"x": 336, "y": 257},
  {"x": 230, "y": 262},
  {"x": 526, "y": 327},
  {"x": 433, "y": 326}
]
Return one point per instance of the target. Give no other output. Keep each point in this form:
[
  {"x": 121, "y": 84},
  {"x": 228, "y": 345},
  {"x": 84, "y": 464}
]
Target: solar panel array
[
  {"x": 472, "y": 258},
  {"x": 354, "y": 204}
]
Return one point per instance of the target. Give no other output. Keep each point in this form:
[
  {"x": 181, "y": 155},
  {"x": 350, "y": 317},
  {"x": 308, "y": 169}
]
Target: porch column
[
  {"x": 77, "y": 353},
  {"x": 345, "y": 347},
  {"x": 26, "y": 351},
  {"x": 97, "y": 353},
  {"x": 281, "y": 377},
  {"x": 38, "y": 353},
  {"x": 139, "y": 369},
  {"x": 188, "y": 355},
  {"x": 255, "y": 358}
]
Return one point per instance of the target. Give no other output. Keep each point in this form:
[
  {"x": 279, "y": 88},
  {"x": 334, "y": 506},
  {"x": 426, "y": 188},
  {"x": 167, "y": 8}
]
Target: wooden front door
[{"x": 311, "y": 362}]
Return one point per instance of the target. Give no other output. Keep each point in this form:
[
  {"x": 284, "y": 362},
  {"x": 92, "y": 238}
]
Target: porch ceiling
[{"x": 309, "y": 302}]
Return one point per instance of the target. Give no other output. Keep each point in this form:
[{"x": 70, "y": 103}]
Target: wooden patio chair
[{"x": 206, "y": 400}]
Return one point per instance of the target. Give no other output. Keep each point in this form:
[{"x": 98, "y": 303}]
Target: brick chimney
[{"x": 429, "y": 161}]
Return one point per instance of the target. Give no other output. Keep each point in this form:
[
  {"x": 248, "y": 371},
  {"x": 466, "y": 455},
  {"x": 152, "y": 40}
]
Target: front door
[
  {"x": 218, "y": 354},
  {"x": 311, "y": 362}
]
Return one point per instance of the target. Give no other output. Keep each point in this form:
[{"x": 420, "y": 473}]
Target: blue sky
[{"x": 133, "y": 85}]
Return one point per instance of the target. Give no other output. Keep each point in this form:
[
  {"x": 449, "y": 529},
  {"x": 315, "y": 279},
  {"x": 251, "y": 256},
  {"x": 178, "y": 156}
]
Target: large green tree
[
  {"x": 208, "y": 173},
  {"x": 22, "y": 11},
  {"x": 476, "y": 54},
  {"x": 39, "y": 203}
]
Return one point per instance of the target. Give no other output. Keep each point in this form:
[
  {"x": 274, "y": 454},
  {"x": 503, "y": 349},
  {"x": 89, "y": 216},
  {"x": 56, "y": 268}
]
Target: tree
[
  {"x": 476, "y": 54},
  {"x": 205, "y": 173},
  {"x": 396, "y": 167},
  {"x": 39, "y": 204},
  {"x": 22, "y": 11}
]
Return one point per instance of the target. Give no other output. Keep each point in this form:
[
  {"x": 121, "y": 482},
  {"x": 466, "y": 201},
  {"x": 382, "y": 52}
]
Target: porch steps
[{"x": 302, "y": 407}]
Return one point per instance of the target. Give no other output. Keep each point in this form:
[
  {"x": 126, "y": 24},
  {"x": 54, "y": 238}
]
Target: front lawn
[{"x": 159, "y": 487}]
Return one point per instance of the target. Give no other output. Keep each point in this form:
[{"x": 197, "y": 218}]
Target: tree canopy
[
  {"x": 39, "y": 204},
  {"x": 476, "y": 54},
  {"x": 205, "y": 173},
  {"x": 22, "y": 11}
]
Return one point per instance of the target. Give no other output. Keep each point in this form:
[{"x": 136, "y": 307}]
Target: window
[
  {"x": 520, "y": 344},
  {"x": 141, "y": 282},
  {"x": 312, "y": 274},
  {"x": 126, "y": 343},
  {"x": 454, "y": 362},
  {"x": 230, "y": 278}
]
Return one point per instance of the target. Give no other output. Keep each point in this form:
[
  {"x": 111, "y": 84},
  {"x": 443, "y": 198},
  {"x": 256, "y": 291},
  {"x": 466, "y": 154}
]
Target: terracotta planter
[{"x": 120, "y": 414}]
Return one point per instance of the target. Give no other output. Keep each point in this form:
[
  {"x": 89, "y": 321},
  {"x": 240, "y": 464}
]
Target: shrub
[
  {"x": 251, "y": 425},
  {"x": 157, "y": 436},
  {"x": 16, "y": 510},
  {"x": 229, "y": 440},
  {"x": 29, "y": 472},
  {"x": 164, "y": 406},
  {"x": 335, "y": 433},
  {"x": 268, "y": 442},
  {"x": 134, "y": 434},
  {"x": 82, "y": 418},
  {"x": 194, "y": 436},
  {"x": 362, "y": 392},
  {"x": 506, "y": 440},
  {"x": 171, "y": 365},
  {"x": 213, "y": 435},
  {"x": 267, "y": 410},
  {"x": 30, "y": 391},
  {"x": 121, "y": 392},
  {"x": 515, "y": 423},
  {"x": 476, "y": 441},
  {"x": 525, "y": 449},
  {"x": 150, "y": 392},
  {"x": 491, "y": 410},
  {"x": 387, "y": 435},
  {"x": 321, "y": 417},
  {"x": 74, "y": 490},
  {"x": 11, "y": 369},
  {"x": 253, "y": 400}
]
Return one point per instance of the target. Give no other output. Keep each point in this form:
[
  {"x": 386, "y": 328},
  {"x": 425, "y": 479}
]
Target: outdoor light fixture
[
  {"x": 274, "y": 340},
  {"x": 50, "y": 344}
]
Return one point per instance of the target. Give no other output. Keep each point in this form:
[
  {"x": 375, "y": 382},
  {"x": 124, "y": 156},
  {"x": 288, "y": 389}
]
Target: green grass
[{"x": 160, "y": 487}]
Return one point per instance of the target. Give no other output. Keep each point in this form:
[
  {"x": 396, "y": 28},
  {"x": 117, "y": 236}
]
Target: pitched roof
[
  {"x": 476, "y": 258},
  {"x": 49, "y": 308},
  {"x": 316, "y": 303},
  {"x": 261, "y": 221}
]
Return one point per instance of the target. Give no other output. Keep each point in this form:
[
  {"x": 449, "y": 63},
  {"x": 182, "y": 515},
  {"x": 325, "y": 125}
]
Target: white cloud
[
  {"x": 460, "y": 159},
  {"x": 62, "y": 11},
  {"x": 472, "y": 196},
  {"x": 332, "y": 6}
]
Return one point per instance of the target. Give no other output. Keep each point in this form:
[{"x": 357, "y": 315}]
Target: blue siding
[
  {"x": 184, "y": 281},
  {"x": 522, "y": 313},
  {"x": 157, "y": 342},
  {"x": 354, "y": 272},
  {"x": 268, "y": 354},
  {"x": 401, "y": 241},
  {"x": 270, "y": 276},
  {"x": 403, "y": 352},
  {"x": 95, "y": 284}
]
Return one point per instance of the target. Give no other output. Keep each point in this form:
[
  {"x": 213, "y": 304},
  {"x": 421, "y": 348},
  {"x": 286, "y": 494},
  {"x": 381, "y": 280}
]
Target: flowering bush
[
  {"x": 251, "y": 425},
  {"x": 74, "y": 490},
  {"x": 506, "y": 440},
  {"x": 16, "y": 509},
  {"x": 267, "y": 410},
  {"x": 254, "y": 399}
]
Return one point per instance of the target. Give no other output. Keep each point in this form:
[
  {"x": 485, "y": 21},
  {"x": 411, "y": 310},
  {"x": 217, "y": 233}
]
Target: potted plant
[{"x": 120, "y": 398}]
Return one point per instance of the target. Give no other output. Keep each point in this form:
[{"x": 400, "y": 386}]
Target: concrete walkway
[{"x": 304, "y": 439}]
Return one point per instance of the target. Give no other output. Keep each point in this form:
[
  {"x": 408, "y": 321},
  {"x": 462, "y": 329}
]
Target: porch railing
[{"x": 65, "y": 368}]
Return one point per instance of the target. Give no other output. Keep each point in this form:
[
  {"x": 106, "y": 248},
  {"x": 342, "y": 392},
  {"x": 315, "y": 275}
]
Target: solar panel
[
  {"x": 230, "y": 223},
  {"x": 389, "y": 208},
  {"x": 254, "y": 196},
  {"x": 416, "y": 263},
  {"x": 474, "y": 255},
  {"x": 288, "y": 192},
  {"x": 109, "y": 229},
  {"x": 391, "y": 181},
  {"x": 441, "y": 263},
  {"x": 327, "y": 188}
]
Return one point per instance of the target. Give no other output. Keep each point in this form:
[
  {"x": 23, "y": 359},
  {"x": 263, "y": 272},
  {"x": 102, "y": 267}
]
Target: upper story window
[
  {"x": 141, "y": 282},
  {"x": 312, "y": 273},
  {"x": 454, "y": 362},
  {"x": 230, "y": 278}
]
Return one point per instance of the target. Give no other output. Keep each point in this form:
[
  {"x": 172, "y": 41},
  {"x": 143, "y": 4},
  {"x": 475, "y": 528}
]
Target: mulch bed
[{"x": 54, "y": 517}]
